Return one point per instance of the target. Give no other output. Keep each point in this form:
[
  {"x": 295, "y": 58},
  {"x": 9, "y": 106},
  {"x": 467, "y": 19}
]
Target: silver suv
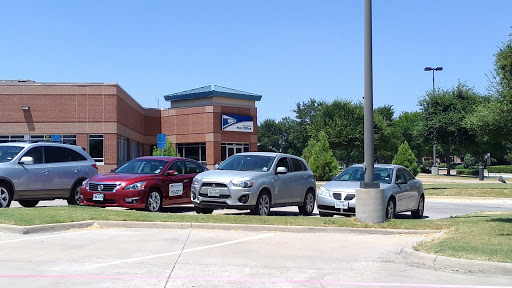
[
  {"x": 30, "y": 172},
  {"x": 256, "y": 181}
]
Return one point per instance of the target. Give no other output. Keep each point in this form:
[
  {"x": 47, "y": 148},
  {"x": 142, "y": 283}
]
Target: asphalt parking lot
[{"x": 140, "y": 257}]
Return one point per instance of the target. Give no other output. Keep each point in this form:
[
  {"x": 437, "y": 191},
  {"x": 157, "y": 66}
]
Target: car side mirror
[
  {"x": 27, "y": 160},
  {"x": 281, "y": 170},
  {"x": 171, "y": 173},
  {"x": 401, "y": 181}
]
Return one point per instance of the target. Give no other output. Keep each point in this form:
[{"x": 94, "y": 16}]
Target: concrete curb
[
  {"x": 455, "y": 264},
  {"x": 59, "y": 227}
]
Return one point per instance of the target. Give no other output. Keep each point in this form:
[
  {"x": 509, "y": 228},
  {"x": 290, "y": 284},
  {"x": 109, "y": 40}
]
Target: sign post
[{"x": 161, "y": 142}]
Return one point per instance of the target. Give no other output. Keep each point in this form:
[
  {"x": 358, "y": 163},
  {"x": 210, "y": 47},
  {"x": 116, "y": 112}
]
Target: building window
[
  {"x": 134, "y": 149},
  {"x": 196, "y": 151},
  {"x": 96, "y": 148},
  {"x": 122, "y": 151},
  {"x": 228, "y": 149},
  {"x": 69, "y": 139}
]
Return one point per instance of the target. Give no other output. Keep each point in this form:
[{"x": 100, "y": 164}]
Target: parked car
[
  {"x": 403, "y": 192},
  {"x": 256, "y": 181},
  {"x": 31, "y": 172},
  {"x": 149, "y": 182}
]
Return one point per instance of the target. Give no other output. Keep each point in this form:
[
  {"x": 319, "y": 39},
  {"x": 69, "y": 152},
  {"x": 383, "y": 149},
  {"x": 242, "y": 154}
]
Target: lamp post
[{"x": 435, "y": 169}]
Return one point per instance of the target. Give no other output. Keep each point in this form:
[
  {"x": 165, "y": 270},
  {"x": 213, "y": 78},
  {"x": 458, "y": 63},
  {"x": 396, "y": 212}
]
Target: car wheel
[
  {"x": 418, "y": 213},
  {"x": 203, "y": 210},
  {"x": 154, "y": 201},
  {"x": 28, "y": 203},
  {"x": 322, "y": 214},
  {"x": 262, "y": 207},
  {"x": 309, "y": 204},
  {"x": 74, "y": 195},
  {"x": 5, "y": 196},
  {"x": 390, "y": 209}
]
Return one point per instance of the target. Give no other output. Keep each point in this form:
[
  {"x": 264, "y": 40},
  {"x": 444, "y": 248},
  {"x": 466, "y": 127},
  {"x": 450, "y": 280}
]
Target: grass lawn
[{"x": 494, "y": 190}]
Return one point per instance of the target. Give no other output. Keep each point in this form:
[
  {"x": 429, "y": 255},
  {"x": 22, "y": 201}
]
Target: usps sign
[{"x": 237, "y": 123}]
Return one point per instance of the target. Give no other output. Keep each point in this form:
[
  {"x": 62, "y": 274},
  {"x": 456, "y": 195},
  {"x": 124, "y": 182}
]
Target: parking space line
[{"x": 184, "y": 251}]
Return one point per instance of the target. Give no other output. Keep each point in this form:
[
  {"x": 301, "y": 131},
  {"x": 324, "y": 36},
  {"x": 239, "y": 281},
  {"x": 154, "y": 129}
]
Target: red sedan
[{"x": 149, "y": 182}]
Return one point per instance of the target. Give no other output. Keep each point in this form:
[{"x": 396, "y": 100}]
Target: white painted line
[{"x": 184, "y": 251}]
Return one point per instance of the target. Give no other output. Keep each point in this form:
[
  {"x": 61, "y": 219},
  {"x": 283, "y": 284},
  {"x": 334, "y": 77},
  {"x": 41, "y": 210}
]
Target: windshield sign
[
  {"x": 143, "y": 166},
  {"x": 256, "y": 163}
]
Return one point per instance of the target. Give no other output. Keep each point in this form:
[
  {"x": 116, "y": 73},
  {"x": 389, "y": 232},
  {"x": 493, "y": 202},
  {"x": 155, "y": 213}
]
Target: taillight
[{"x": 95, "y": 166}]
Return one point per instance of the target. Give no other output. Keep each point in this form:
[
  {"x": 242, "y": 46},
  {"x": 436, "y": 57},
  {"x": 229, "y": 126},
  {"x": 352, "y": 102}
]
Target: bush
[
  {"x": 406, "y": 158},
  {"x": 320, "y": 157},
  {"x": 442, "y": 165},
  {"x": 500, "y": 169},
  {"x": 471, "y": 172}
]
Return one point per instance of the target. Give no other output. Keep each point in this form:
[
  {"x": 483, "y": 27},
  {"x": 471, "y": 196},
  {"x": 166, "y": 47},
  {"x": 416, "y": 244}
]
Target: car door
[
  {"x": 63, "y": 171},
  {"x": 35, "y": 178},
  {"x": 406, "y": 192},
  {"x": 283, "y": 182},
  {"x": 191, "y": 170},
  {"x": 175, "y": 184},
  {"x": 300, "y": 180},
  {"x": 414, "y": 190}
]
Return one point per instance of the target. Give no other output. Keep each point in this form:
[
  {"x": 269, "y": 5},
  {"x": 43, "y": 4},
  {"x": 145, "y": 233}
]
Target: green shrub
[
  {"x": 442, "y": 165},
  {"x": 460, "y": 166},
  {"x": 406, "y": 158},
  {"x": 320, "y": 157},
  {"x": 471, "y": 172},
  {"x": 500, "y": 169}
]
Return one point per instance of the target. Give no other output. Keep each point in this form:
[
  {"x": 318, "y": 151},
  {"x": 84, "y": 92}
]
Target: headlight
[
  {"x": 324, "y": 192},
  {"x": 85, "y": 184},
  {"x": 196, "y": 182},
  {"x": 135, "y": 186},
  {"x": 243, "y": 183}
]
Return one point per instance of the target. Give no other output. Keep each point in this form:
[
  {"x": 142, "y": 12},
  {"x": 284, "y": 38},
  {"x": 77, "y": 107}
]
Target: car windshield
[
  {"x": 257, "y": 163},
  {"x": 142, "y": 166},
  {"x": 381, "y": 175},
  {"x": 7, "y": 153}
]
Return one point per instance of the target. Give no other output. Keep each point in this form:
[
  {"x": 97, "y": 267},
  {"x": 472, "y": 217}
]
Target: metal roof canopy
[{"x": 212, "y": 91}]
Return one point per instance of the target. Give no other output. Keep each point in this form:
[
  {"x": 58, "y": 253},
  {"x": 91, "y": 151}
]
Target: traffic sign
[{"x": 161, "y": 141}]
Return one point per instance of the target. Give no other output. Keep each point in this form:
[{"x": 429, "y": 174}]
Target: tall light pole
[{"x": 433, "y": 91}]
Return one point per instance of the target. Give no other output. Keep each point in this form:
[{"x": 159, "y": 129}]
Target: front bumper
[
  {"x": 229, "y": 197},
  {"x": 114, "y": 199},
  {"x": 328, "y": 205}
]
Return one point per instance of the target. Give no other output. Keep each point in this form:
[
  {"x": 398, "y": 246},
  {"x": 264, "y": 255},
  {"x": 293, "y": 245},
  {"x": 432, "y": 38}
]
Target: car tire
[
  {"x": 418, "y": 213},
  {"x": 74, "y": 195},
  {"x": 153, "y": 201},
  {"x": 6, "y": 195},
  {"x": 262, "y": 207},
  {"x": 390, "y": 209},
  {"x": 200, "y": 210},
  {"x": 309, "y": 204},
  {"x": 322, "y": 214},
  {"x": 28, "y": 203}
]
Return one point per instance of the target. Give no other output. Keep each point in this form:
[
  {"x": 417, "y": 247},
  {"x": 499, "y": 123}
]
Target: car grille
[
  {"x": 106, "y": 201},
  {"x": 348, "y": 197},
  {"x": 214, "y": 185},
  {"x": 103, "y": 187}
]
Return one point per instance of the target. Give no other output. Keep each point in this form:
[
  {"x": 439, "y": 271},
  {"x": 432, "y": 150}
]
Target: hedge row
[
  {"x": 500, "y": 169},
  {"x": 472, "y": 172}
]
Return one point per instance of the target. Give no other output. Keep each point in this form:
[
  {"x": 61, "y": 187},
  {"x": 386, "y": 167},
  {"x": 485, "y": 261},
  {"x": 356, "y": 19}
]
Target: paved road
[
  {"x": 435, "y": 207},
  {"x": 139, "y": 257}
]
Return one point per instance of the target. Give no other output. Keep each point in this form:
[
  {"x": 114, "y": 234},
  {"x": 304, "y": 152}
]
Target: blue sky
[{"x": 287, "y": 51}]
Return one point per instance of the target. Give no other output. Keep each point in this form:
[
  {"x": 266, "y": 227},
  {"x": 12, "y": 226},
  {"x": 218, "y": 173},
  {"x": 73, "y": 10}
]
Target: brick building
[{"x": 208, "y": 124}]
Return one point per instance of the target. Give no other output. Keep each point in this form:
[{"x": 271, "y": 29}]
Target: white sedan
[{"x": 403, "y": 192}]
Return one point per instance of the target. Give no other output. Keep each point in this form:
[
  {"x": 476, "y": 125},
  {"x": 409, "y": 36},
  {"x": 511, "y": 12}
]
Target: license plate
[
  {"x": 98, "y": 197},
  {"x": 341, "y": 204},
  {"x": 213, "y": 192}
]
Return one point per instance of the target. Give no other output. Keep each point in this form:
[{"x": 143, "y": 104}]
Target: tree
[
  {"x": 385, "y": 137},
  {"x": 407, "y": 129},
  {"x": 271, "y": 136},
  {"x": 444, "y": 112},
  {"x": 406, "y": 158},
  {"x": 168, "y": 150},
  {"x": 320, "y": 158}
]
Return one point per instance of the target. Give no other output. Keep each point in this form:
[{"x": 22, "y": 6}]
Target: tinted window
[
  {"x": 55, "y": 154},
  {"x": 36, "y": 153},
  {"x": 193, "y": 168},
  {"x": 75, "y": 156},
  {"x": 408, "y": 175},
  {"x": 400, "y": 175},
  {"x": 248, "y": 163},
  {"x": 283, "y": 162},
  {"x": 178, "y": 166},
  {"x": 143, "y": 166},
  {"x": 297, "y": 164}
]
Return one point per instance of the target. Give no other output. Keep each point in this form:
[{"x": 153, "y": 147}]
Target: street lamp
[
  {"x": 435, "y": 169},
  {"x": 433, "y": 71}
]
